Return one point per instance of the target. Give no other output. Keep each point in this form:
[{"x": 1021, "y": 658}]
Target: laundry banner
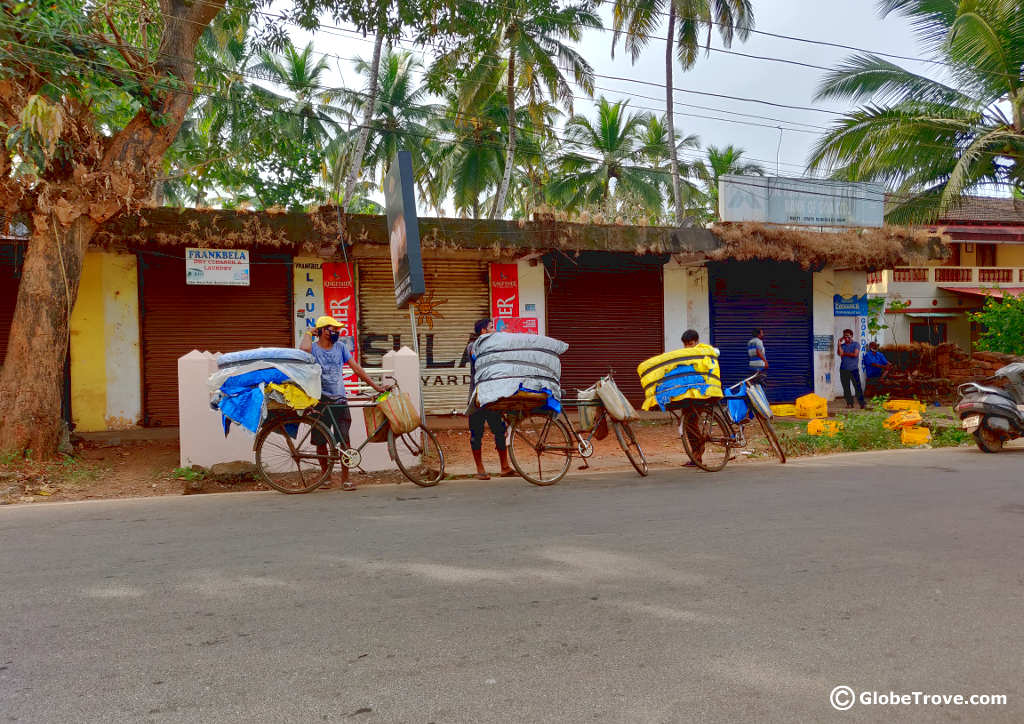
[
  {"x": 222, "y": 267},
  {"x": 517, "y": 325},
  {"x": 504, "y": 291},
  {"x": 308, "y": 289}
]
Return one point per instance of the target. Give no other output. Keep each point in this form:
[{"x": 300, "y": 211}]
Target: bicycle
[
  {"x": 714, "y": 433},
  {"x": 541, "y": 445},
  {"x": 287, "y": 460}
]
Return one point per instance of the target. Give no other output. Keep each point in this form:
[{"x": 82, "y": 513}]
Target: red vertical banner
[
  {"x": 340, "y": 300},
  {"x": 504, "y": 291}
]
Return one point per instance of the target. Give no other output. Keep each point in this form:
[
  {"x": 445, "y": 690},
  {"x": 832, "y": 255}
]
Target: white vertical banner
[{"x": 308, "y": 293}]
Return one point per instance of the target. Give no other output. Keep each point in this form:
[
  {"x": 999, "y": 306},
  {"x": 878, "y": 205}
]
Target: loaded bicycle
[
  {"x": 542, "y": 442},
  {"x": 287, "y": 459},
  {"x": 711, "y": 429}
]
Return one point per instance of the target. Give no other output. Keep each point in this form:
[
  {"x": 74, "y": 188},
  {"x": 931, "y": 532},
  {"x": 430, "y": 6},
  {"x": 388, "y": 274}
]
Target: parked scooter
[{"x": 994, "y": 415}]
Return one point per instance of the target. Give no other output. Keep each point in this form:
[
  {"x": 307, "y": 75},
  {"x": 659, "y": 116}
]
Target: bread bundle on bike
[
  {"x": 517, "y": 370},
  {"x": 690, "y": 373},
  {"x": 248, "y": 383}
]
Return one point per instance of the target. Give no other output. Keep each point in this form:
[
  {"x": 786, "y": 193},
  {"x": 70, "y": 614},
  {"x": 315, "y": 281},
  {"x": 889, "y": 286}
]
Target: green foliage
[
  {"x": 188, "y": 474},
  {"x": 1002, "y": 325},
  {"x": 934, "y": 141},
  {"x": 721, "y": 162}
]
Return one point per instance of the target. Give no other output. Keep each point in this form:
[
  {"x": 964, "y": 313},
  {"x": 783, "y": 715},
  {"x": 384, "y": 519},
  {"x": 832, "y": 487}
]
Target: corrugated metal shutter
[
  {"x": 776, "y": 297},
  {"x": 11, "y": 258},
  {"x": 609, "y": 308},
  {"x": 457, "y": 296},
  {"x": 177, "y": 318}
]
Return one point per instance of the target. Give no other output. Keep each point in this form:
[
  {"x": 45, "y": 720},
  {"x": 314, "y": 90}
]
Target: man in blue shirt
[
  {"x": 875, "y": 363},
  {"x": 331, "y": 354},
  {"x": 755, "y": 351},
  {"x": 849, "y": 367}
]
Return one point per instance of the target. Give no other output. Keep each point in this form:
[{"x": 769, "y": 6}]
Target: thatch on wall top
[
  {"x": 861, "y": 249},
  {"x": 317, "y": 232}
]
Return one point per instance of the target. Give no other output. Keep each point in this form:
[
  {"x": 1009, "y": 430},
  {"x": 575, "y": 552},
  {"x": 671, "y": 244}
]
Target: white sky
[{"x": 850, "y": 22}]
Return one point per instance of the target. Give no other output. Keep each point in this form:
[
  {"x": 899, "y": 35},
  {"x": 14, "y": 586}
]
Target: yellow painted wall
[
  {"x": 88, "y": 345},
  {"x": 1010, "y": 255},
  {"x": 106, "y": 390},
  {"x": 968, "y": 258}
]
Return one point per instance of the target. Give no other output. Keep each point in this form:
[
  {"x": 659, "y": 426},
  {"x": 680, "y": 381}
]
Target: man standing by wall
[
  {"x": 849, "y": 367},
  {"x": 755, "y": 351},
  {"x": 479, "y": 417}
]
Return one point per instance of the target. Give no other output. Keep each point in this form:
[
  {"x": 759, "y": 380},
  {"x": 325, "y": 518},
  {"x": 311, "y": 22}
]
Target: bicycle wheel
[
  {"x": 540, "y": 449},
  {"x": 628, "y": 442},
  {"x": 773, "y": 439},
  {"x": 286, "y": 457},
  {"x": 713, "y": 435},
  {"x": 418, "y": 455}
]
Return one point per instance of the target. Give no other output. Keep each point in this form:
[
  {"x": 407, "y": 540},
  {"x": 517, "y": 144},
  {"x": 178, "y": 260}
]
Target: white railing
[{"x": 977, "y": 275}]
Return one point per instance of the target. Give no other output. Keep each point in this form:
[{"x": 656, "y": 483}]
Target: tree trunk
[
  {"x": 364, "y": 132},
  {"x": 669, "y": 115},
  {"x": 32, "y": 377},
  {"x": 510, "y": 154}
]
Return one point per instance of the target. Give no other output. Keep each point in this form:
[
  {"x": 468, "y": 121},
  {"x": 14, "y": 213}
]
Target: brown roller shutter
[
  {"x": 177, "y": 318},
  {"x": 456, "y": 297},
  {"x": 609, "y": 308},
  {"x": 11, "y": 257}
]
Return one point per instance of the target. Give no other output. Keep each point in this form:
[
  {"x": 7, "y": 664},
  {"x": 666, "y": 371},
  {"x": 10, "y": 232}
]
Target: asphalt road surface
[{"x": 746, "y": 595}]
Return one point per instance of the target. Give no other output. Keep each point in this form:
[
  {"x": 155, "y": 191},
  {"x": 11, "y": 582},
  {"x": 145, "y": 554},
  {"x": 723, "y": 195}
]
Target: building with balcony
[{"x": 931, "y": 302}]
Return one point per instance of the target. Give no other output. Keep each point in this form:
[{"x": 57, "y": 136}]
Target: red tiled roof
[
  {"x": 996, "y": 292},
  {"x": 983, "y": 208}
]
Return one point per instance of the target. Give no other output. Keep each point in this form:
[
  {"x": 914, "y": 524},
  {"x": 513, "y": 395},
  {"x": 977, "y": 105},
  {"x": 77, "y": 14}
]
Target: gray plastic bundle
[{"x": 505, "y": 362}]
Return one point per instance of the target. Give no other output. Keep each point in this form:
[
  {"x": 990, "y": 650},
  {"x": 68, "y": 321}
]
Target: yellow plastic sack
[
  {"x": 811, "y": 406},
  {"x": 374, "y": 416},
  {"x": 703, "y": 358},
  {"x": 915, "y": 436},
  {"x": 619, "y": 408},
  {"x": 784, "y": 410},
  {"x": 401, "y": 413},
  {"x": 824, "y": 427},
  {"x": 906, "y": 418},
  {"x": 294, "y": 395},
  {"x": 897, "y": 405}
]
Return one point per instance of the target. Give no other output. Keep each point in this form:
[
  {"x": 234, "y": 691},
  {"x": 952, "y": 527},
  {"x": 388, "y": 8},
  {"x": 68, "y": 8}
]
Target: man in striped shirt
[{"x": 755, "y": 351}]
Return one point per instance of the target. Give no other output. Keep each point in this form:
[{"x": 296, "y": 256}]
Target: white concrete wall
[
  {"x": 823, "y": 286},
  {"x": 532, "y": 292},
  {"x": 686, "y": 303}
]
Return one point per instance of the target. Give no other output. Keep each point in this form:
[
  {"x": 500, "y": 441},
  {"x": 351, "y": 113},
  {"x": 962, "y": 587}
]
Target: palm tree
[
  {"x": 721, "y": 162},
  {"x": 528, "y": 37},
  {"x": 688, "y": 22},
  {"x": 930, "y": 141},
  {"x": 655, "y": 150},
  {"x": 611, "y": 147}
]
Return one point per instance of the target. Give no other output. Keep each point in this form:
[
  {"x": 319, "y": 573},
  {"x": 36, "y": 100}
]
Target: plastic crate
[
  {"x": 905, "y": 418},
  {"x": 784, "y": 410},
  {"x": 915, "y": 436},
  {"x": 898, "y": 405},
  {"x": 824, "y": 427},
  {"x": 811, "y": 406}
]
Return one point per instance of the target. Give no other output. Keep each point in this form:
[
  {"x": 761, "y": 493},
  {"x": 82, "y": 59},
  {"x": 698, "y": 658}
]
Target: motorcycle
[{"x": 994, "y": 415}]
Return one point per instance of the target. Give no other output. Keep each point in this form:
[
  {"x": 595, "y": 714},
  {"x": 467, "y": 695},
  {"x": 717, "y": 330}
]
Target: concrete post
[
  {"x": 406, "y": 366},
  {"x": 200, "y": 432}
]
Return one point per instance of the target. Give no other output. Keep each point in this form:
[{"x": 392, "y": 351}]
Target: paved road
[{"x": 742, "y": 596}]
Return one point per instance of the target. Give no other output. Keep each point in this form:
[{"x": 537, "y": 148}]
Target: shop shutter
[
  {"x": 456, "y": 297},
  {"x": 609, "y": 308},
  {"x": 11, "y": 257},
  {"x": 177, "y": 318},
  {"x": 776, "y": 297}
]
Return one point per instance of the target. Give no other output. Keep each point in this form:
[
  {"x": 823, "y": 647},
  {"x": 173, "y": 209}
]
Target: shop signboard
[
  {"x": 854, "y": 306},
  {"x": 222, "y": 267},
  {"x": 517, "y": 325},
  {"x": 403, "y": 231},
  {"x": 800, "y": 201},
  {"x": 504, "y": 291}
]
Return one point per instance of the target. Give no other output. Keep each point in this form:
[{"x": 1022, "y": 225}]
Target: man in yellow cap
[{"x": 331, "y": 354}]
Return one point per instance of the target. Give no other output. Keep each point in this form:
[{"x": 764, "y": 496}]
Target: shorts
[{"x": 337, "y": 418}]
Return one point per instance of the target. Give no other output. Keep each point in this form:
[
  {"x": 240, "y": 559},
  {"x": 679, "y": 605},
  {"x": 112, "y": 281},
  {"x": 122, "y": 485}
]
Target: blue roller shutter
[{"x": 776, "y": 297}]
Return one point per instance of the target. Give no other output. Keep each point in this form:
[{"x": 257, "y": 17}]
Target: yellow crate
[
  {"x": 784, "y": 410},
  {"x": 811, "y": 406},
  {"x": 897, "y": 405},
  {"x": 905, "y": 418},
  {"x": 915, "y": 436},
  {"x": 824, "y": 427}
]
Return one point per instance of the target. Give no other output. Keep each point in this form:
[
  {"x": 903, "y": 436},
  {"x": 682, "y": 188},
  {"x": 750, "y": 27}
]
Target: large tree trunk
[
  {"x": 65, "y": 218},
  {"x": 364, "y": 132},
  {"x": 669, "y": 115},
  {"x": 499, "y": 202}
]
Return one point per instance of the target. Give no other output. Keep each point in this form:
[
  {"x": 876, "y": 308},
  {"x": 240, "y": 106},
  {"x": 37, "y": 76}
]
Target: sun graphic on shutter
[{"x": 426, "y": 309}]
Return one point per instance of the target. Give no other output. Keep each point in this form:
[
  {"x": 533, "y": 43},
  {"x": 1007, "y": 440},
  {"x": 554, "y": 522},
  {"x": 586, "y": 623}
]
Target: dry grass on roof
[{"x": 867, "y": 249}]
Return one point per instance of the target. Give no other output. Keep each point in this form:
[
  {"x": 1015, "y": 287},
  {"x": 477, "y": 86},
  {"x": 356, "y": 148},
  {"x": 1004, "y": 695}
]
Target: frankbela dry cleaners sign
[
  {"x": 403, "y": 231},
  {"x": 226, "y": 267}
]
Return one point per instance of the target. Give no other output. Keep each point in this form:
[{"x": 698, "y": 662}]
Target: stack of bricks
[{"x": 933, "y": 373}]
